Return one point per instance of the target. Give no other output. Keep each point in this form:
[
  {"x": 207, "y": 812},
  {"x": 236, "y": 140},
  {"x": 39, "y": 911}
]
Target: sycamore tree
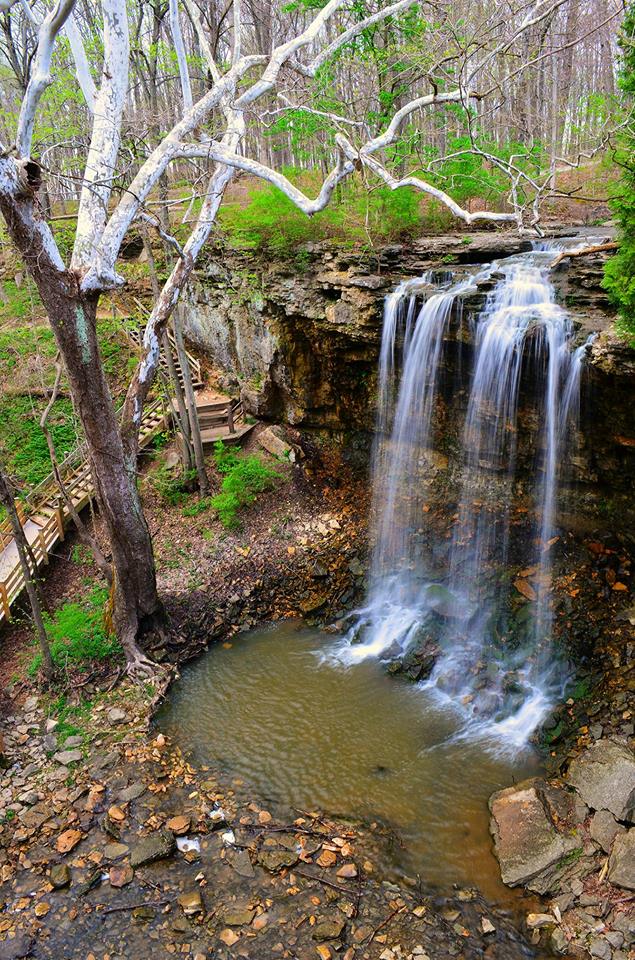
[{"x": 258, "y": 59}]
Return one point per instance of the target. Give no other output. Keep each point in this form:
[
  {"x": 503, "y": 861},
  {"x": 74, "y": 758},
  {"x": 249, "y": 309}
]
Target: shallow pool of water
[{"x": 304, "y": 731}]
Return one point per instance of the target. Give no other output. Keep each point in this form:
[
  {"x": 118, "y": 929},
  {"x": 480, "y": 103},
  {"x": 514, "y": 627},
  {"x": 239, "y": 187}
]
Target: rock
[
  {"x": 115, "y": 851},
  {"x": 179, "y": 825},
  {"x": 133, "y": 792},
  {"x": 348, "y": 871},
  {"x": 156, "y": 846},
  {"x": 16, "y": 949},
  {"x": 143, "y": 914},
  {"x": 239, "y": 860},
  {"x": 603, "y": 828},
  {"x": 120, "y": 876},
  {"x": 60, "y": 876},
  {"x": 535, "y": 921},
  {"x": 191, "y": 903},
  {"x": 275, "y": 445},
  {"x": 622, "y": 861},
  {"x": 116, "y": 715},
  {"x": 64, "y": 757},
  {"x": 73, "y": 742},
  {"x": 275, "y": 860},
  {"x": 67, "y": 840},
  {"x": 525, "y": 840},
  {"x": 238, "y": 917},
  {"x": 228, "y": 937},
  {"x": 599, "y": 947},
  {"x": 328, "y": 928},
  {"x": 487, "y": 926},
  {"x": 604, "y": 776}
]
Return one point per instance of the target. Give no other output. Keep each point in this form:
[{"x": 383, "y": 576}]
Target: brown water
[{"x": 306, "y": 732}]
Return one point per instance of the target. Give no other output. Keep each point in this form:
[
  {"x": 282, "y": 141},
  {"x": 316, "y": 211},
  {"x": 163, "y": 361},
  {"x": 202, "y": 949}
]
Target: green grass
[
  {"x": 22, "y": 438},
  {"x": 76, "y": 634},
  {"x": 244, "y": 477}
]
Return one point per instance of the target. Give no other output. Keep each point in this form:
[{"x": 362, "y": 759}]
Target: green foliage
[
  {"x": 619, "y": 277},
  {"x": 172, "y": 485},
  {"x": 70, "y": 717},
  {"x": 76, "y": 634},
  {"x": 244, "y": 477}
]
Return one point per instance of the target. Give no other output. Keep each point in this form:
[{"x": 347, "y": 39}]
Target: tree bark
[
  {"x": 136, "y": 605},
  {"x": 22, "y": 545}
]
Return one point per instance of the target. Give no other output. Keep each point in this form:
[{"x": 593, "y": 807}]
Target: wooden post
[
  {"x": 230, "y": 418},
  {"x": 59, "y": 519},
  {"x": 4, "y": 600},
  {"x": 42, "y": 541}
]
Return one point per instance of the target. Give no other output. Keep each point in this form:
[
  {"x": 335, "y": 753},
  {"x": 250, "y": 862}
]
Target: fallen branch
[
  {"x": 384, "y": 923},
  {"x": 584, "y": 252},
  {"x": 134, "y": 906}
]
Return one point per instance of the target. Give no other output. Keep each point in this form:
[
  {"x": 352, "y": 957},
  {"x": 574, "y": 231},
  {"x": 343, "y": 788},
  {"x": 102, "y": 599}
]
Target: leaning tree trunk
[{"x": 136, "y": 607}]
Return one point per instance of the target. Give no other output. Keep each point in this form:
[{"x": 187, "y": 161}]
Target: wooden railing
[{"x": 48, "y": 512}]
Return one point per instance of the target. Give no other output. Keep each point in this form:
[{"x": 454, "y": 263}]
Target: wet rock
[
  {"x": 120, "y": 876},
  {"x": 143, "y": 914},
  {"x": 328, "y": 928},
  {"x": 622, "y": 861},
  {"x": 17, "y": 948},
  {"x": 179, "y": 825},
  {"x": 604, "y": 776},
  {"x": 156, "y": 846},
  {"x": 115, "y": 851},
  {"x": 526, "y": 842},
  {"x": 60, "y": 876},
  {"x": 133, "y": 792},
  {"x": 191, "y": 903},
  {"x": 275, "y": 860},
  {"x": 240, "y": 861},
  {"x": 603, "y": 828},
  {"x": 238, "y": 917}
]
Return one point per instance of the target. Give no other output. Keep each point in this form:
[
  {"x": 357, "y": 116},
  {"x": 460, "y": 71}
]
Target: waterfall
[{"x": 494, "y": 662}]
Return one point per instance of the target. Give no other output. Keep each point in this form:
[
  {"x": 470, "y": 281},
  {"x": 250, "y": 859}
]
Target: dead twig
[{"x": 384, "y": 923}]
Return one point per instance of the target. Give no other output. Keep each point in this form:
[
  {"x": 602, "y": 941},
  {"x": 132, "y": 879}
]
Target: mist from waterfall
[{"x": 458, "y": 596}]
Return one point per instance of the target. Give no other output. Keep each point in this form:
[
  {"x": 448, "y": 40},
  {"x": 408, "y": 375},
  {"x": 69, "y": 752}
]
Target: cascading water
[{"x": 459, "y": 596}]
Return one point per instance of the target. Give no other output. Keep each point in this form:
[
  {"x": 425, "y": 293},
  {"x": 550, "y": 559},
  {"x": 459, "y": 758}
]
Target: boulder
[
  {"x": 603, "y": 828},
  {"x": 604, "y": 776},
  {"x": 622, "y": 861},
  {"x": 526, "y": 841}
]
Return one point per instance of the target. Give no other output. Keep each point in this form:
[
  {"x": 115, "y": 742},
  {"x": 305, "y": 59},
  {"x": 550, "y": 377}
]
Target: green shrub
[
  {"x": 244, "y": 477},
  {"x": 194, "y": 509},
  {"x": 76, "y": 633},
  {"x": 171, "y": 485}
]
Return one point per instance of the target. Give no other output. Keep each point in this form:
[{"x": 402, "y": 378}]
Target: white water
[{"x": 500, "y": 693}]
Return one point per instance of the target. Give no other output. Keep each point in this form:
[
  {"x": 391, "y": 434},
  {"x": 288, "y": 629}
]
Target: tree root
[{"x": 140, "y": 668}]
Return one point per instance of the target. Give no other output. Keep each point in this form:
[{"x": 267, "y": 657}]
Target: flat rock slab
[
  {"x": 622, "y": 861},
  {"x": 156, "y": 846},
  {"x": 604, "y": 776},
  {"x": 68, "y": 756},
  {"x": 526, "y": 841}
]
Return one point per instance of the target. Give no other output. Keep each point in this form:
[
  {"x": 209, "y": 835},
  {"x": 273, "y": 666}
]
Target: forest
[{"x": 317, "y": 371}]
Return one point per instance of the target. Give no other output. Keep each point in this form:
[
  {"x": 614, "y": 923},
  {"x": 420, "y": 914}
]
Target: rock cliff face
[{"x": 300, "y": 340}]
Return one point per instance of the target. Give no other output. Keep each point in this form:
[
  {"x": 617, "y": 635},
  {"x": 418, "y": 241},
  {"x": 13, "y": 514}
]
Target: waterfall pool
[{"x": 305, "y": 732}]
